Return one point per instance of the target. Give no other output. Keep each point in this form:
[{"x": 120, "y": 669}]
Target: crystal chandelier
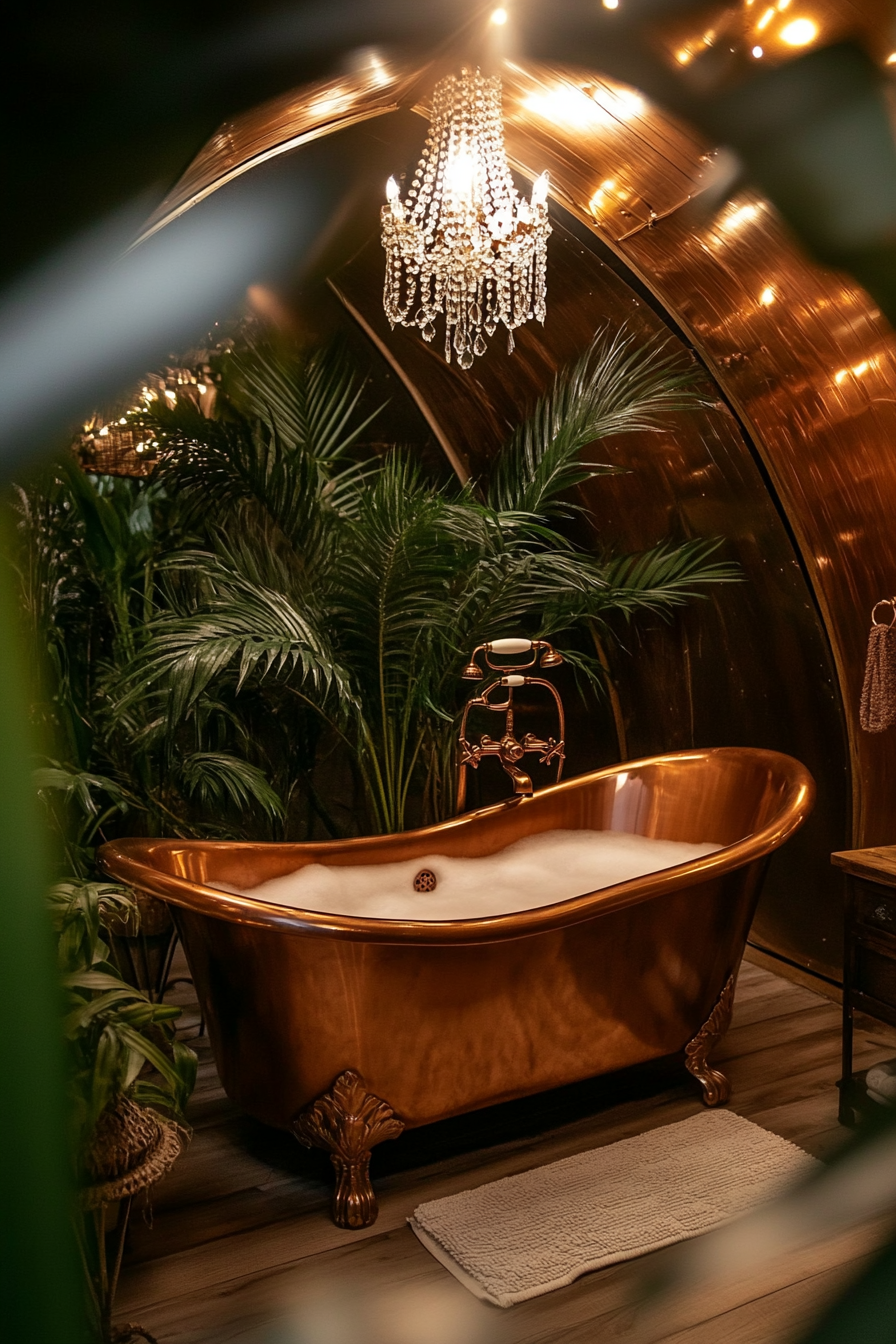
[{"x": 464, "y": 243}]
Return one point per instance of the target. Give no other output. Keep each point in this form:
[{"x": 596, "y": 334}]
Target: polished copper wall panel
[
  {"x": 283, "y": 124},
  {"x": 797, "y": 468},
  {"x": 810, "y": 364},
  {"x": 824, "y": 422}
]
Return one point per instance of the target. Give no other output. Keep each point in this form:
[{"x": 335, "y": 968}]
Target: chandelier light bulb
[
  {"x": 460, "y": 176},
  {"x": 393, "y": 196},
  {"x": 540, "y": 190},
  {"x": 464, "y": 246}
]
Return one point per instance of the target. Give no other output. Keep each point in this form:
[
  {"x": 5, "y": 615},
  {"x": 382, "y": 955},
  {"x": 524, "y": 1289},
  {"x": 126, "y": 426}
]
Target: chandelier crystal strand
[{"x": 465, "y": 244}]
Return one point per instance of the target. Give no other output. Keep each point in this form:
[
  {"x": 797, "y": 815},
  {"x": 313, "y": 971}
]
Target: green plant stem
[{"x": 613, "y": 694}]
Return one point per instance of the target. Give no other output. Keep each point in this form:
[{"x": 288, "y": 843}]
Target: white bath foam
[{"x": 535, "y": 871}]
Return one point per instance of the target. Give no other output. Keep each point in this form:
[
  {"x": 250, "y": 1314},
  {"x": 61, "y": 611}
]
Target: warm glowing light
[
  {"x": 393, "y": 196},
  {"x": 758, "y": 53},
  {"x": 610, "y": 187},
  {"x": 460, "y": 175},
  {"x": 378, "y": 71},
  {"x": 782, "y": 5},
  {"x": 540, "y": 190},
  {"x": 768, "y": 296},
  {"x": 857, "y": 371},
  {"x": 598, "y": 200},
  {"x": 464, "y": 245},
  {"x": 567, "y": 106},
  {"x": 742, "y": 215},
  {"x": 201, "y": 389},
  {"x": 172, "y": 396},
  {"x": 611, "y": 4},
  {"x": 104, "y": 431},
  {"x": 684, "y": 56},
  {"x": 582, "y": 109},
  {"x": 329, "y": 104},
  {"x": 625, "y": 103},
  {"x": 765, "y": 20},
  {"x": 891, "y": 59},
  {"x": 799, "y": 32},
  {"x": 499, "y": 17}
]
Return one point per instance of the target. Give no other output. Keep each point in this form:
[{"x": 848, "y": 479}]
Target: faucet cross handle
[
  {"x": 509, "y": 749},
  {"x": 551, "y": 749}
]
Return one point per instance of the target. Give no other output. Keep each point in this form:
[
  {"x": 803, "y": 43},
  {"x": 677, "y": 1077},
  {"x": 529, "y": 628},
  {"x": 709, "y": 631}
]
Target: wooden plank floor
[{"x": 241, "y": 1246}]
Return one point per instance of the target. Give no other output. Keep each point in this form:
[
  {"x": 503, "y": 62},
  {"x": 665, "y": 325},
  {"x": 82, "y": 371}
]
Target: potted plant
[
  {"x": 130, "y": 1079},
  {"x": 335, "y": 595}
]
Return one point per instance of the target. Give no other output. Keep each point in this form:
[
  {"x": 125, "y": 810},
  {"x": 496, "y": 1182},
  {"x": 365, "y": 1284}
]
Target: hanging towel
[{"x": 878, "y": 708}]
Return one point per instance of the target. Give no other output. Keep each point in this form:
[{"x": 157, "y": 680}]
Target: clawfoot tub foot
[
  {"x": 347, "y": 1122},
  {"x": 716, "y": 1087}
]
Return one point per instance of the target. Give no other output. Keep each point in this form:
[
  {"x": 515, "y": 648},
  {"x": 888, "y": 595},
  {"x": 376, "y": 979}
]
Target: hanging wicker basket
[
  {"x": 143, "y": 944},
  {"x": 133, "y": 1147},
  {"x": 153, "y": 918}
]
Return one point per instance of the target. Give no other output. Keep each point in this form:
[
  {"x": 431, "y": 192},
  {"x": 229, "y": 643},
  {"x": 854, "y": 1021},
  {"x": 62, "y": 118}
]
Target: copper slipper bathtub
[{"x": 349, "y": 1030}]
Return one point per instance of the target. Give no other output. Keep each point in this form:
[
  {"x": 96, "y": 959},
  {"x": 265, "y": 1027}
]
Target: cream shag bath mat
[{"x": 529, "y": 1234}]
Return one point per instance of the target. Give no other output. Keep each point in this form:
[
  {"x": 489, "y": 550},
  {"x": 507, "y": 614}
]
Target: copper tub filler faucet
[{"x": 509, "y": 749}]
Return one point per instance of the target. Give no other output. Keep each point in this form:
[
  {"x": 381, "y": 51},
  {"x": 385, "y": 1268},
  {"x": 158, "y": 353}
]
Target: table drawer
[
  {"x": 876, "y": 908},
  {"x": 875, "y": 973}
]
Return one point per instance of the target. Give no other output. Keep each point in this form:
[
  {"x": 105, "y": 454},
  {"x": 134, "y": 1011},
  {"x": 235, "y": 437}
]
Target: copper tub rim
[{"x": 128, "y": 861}]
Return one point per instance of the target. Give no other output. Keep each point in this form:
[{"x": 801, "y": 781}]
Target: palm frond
[
  {"x": 216, "y": 779},
  {"x": 241, "y": 630},
  {"x": 395, "y": 570},
  {"x": 619, "y": 385},
  {"x": 667, "y": 576},
  {"x": 309, "y": 399},
  {"x": 79, "y": 787}
]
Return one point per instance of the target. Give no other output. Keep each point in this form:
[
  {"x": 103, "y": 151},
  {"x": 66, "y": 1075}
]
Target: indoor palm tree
[{"x": 335, "y": 593}]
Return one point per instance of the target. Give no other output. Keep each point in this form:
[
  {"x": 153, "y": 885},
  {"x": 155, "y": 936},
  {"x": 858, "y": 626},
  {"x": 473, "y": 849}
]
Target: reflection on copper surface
[
  {"x": 442, "y": 1017},
  {"x": 718, "y": 42},
  {"x": 283, "y": 124},
  {"x": 751, "y": 662},
  {"x": 809, "y": 377},
  {"x": 584, "y": 126}
]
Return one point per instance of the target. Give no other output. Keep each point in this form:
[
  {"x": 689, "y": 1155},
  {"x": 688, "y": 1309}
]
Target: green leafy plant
[
  {"x": 263, "y": 640},
  {"x": 88, "y": 559},
  {"x": 340, "y": 594},
  {"x": 113, "y": 1029},
  {"x": 121, "y": 1046}
]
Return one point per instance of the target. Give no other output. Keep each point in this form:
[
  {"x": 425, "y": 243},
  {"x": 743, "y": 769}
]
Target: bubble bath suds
[{"x": 538, "y": 870}]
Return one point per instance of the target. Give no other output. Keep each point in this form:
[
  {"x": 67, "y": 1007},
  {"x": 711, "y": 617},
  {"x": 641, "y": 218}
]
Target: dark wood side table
[{"x": 869, "y": 961}]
